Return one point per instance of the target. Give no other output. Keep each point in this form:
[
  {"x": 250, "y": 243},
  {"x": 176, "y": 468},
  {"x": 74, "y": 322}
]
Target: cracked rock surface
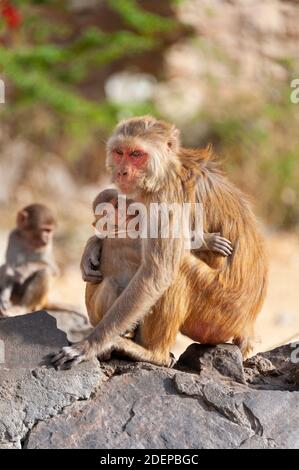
[
  {"x": 208, "y": 401},
  {"x": 30, "y": 392}
]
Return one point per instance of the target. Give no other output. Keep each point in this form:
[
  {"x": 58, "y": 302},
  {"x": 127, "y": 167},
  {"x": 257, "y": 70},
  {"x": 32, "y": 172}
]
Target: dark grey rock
[
  {"x": 140, "y": 409},
  {"x": 274, "y": 370},
  {"x": 30, "y": 392},
  {"x": 121, "y": 404},
  {"x": 275, "y": 414},
  {"x": 226, "y": 359},
  {"x": 28, "y": 339},
  {"x": 257, "y": 442}
]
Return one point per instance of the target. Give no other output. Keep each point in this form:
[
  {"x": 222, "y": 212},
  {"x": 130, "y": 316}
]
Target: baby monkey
[
  {"x": 117, "y": 259},
  {"x": 29, "y": 264}
]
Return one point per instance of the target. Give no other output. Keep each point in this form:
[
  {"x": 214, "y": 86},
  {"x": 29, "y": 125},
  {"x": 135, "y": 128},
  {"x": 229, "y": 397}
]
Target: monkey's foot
[{"x": 70, "y": 356}]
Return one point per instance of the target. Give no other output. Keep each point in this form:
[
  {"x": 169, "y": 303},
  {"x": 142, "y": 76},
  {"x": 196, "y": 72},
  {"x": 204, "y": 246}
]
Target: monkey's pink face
[{"x": 130, "y": 164}]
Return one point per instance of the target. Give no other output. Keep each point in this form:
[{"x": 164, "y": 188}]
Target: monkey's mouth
[{"x": 126, "y": 186}]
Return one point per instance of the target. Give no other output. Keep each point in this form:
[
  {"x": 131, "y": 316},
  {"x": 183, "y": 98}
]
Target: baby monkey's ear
[{"x": 173, "y": 141}]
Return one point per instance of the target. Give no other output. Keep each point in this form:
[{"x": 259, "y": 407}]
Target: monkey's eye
[
  {"x": 135, "y": 154},
  {"x": 119, "y": 151}
]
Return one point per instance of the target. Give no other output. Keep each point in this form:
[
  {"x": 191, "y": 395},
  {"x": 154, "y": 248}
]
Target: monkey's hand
[
  {"x": 71, "y": 356},
  {"x": 214, "y": 242},
  {"x": 90, "y": 261},
  {"x": 21, "y": 274}
]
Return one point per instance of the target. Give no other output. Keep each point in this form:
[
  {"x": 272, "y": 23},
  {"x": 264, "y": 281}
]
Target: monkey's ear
[
  {"x": 22, "y": 219},
  {"x": 173, "y": 141}
]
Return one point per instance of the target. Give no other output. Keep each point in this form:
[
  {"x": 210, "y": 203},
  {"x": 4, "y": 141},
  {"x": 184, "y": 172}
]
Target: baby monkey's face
[{"x": 112, "y": 216}]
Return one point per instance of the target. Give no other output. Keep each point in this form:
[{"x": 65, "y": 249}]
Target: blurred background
[{"x": 220, "y": 69}]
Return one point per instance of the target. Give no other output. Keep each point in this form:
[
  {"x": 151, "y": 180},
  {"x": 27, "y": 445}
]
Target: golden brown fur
[
  {"x": 119, "y": 259},
  {"x": 209, "y": 298}
]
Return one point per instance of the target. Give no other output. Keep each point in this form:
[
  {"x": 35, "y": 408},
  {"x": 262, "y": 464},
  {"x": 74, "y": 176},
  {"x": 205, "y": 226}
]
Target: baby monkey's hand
[{"x": 214, "y": 242}]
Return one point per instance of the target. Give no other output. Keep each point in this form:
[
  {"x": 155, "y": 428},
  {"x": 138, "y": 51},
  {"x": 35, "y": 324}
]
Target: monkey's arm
[
  {"x": 8, "y": 273},
  {"x": 156, "y": 273},
  {"x": 91, "y": 260},
  {"x": 26, "y": 270},
  {"x": 214, "y": 242}
]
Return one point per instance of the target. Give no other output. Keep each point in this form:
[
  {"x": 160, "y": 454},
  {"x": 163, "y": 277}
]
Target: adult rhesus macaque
[
  {"x": 119, "y": 258},
  {"x": 29, "y": 264},
  {"x": 209, "y": 298}
]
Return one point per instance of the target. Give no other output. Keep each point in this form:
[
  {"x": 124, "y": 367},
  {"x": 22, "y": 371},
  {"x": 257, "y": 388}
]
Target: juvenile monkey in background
[
  {"x": 118, "y": 259},
  {"x": 209, "y": 298},
  {"x": 29, "y": 263}
]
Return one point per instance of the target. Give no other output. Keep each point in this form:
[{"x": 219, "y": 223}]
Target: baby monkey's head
[{"x": 110, "y": 209}]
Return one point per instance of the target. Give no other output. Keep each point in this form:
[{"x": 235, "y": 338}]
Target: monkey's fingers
[
  {"x": 94, "y": 261},
  {"x": 223, "y": 240},
  {"x": 71, "y": 363},
  {"x": 92, "y": 276},
  {"x": 69, "y": 356},
  {"x": 223, "y": 249},
  {"x": 224, "y": 244}
]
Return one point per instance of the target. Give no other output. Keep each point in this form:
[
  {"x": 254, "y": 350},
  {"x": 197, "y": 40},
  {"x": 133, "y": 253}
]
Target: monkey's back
[{"x": 227, "y": 210}]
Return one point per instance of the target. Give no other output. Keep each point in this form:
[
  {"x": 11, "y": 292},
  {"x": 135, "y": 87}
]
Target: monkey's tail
[{"x": 65, "y": 309}]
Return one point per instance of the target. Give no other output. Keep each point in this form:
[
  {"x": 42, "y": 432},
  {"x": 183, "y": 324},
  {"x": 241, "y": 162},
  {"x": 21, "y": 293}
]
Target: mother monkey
[{"x": 207, "y": 297}]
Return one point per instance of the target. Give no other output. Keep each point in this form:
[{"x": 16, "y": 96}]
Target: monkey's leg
[
  {"x": 156, "y": 335},
  {"x": 35, "y": 290},
  {"x": 99, "y": 298},
  {"x": 216, "y": 315},
  {"x": 90, "y": 291},
  {"x": 198, "y": 306},
  {"x": 135, "y": 351},
  {"x": 158, "y": 330}
]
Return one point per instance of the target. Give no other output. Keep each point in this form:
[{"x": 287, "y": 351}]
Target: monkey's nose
[{"x": 122, "y": 173}]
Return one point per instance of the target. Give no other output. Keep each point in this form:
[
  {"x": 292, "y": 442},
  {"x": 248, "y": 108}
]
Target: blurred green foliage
[
  {"x": 51, "y": 61},
  {"x": 47, "y": 62}
]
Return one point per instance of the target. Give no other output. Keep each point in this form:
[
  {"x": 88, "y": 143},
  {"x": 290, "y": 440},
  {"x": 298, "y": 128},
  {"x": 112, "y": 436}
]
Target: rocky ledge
[{"x": 209, "y": 400}]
